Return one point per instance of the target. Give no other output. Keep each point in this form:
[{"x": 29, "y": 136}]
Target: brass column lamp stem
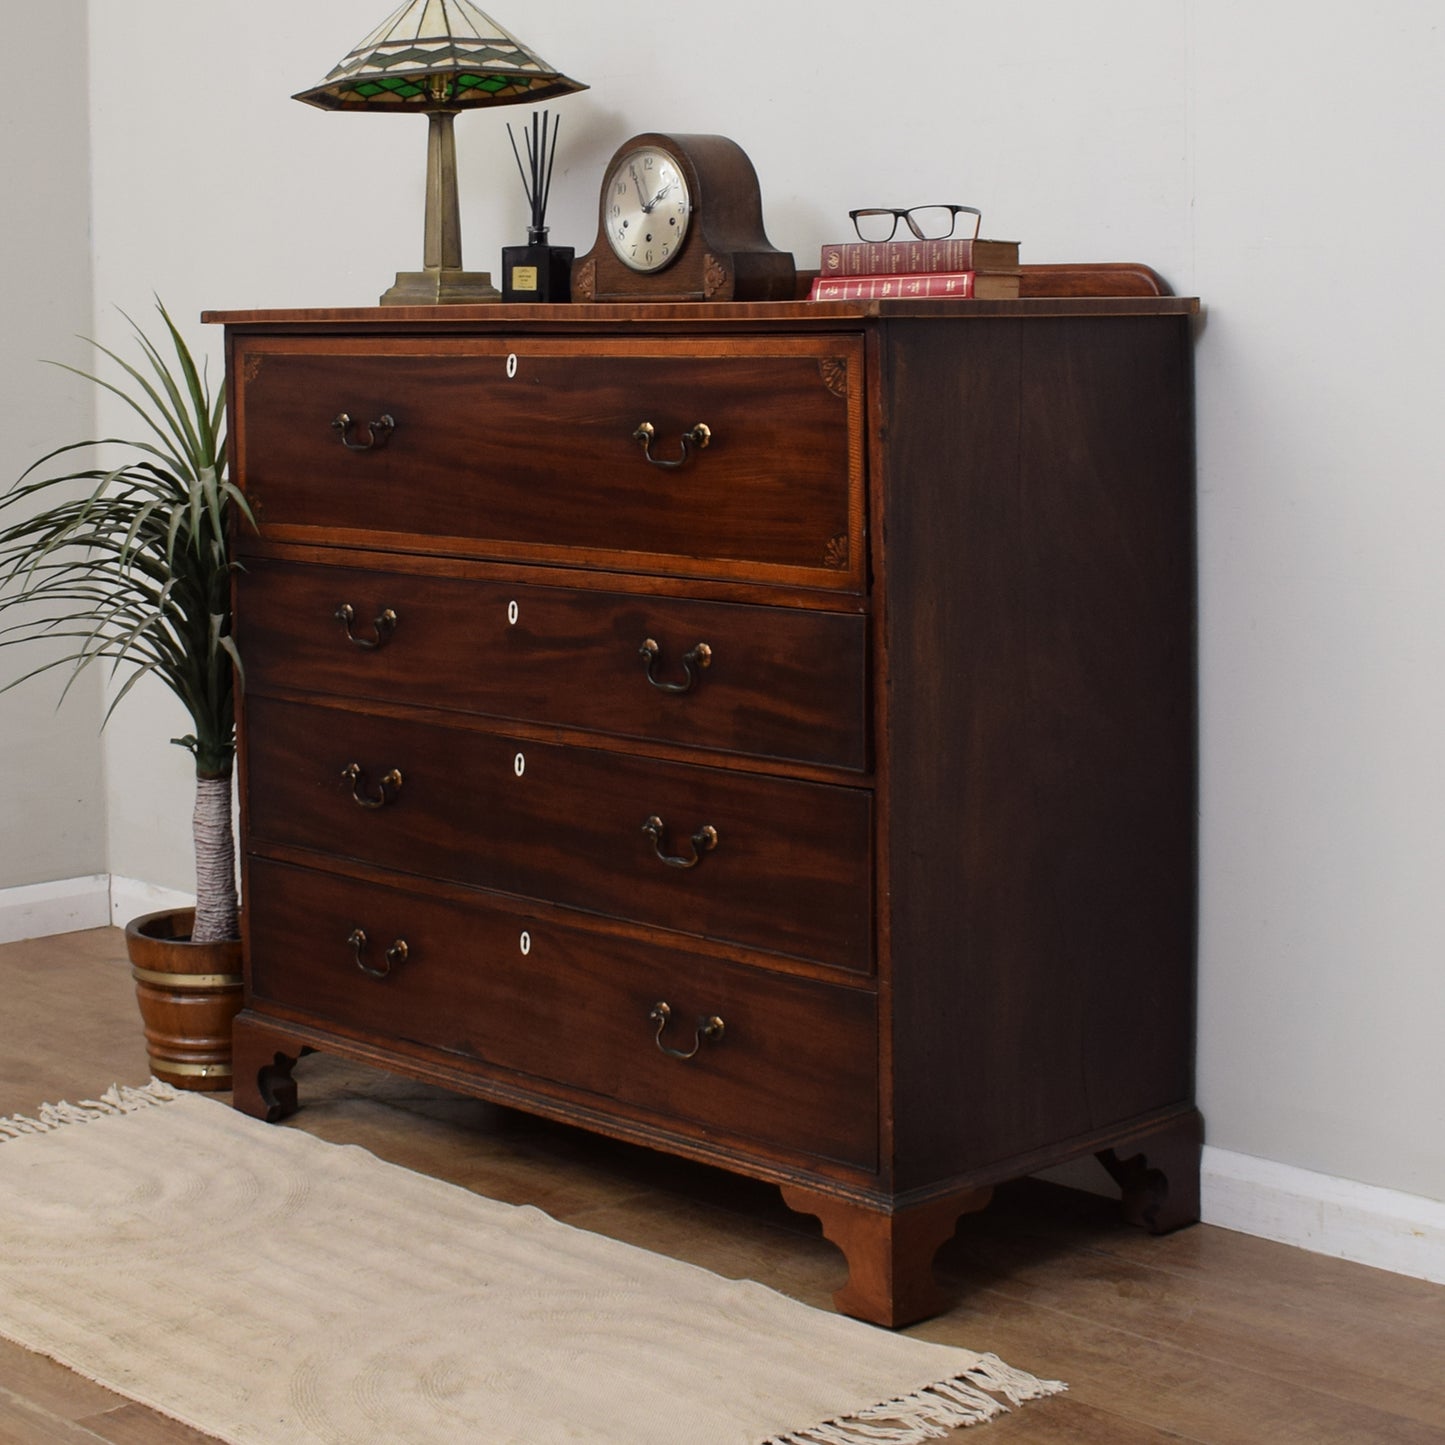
[
  {"x": 441, "y": 279},
  {"x": 443, "y": 246}
]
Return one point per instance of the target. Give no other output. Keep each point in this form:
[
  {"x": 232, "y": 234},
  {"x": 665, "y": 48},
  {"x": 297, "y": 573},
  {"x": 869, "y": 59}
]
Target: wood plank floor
[{"x": 1204, "y": 1336}]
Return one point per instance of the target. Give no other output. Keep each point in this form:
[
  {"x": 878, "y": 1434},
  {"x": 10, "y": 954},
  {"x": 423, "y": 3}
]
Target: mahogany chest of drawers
[{"x": 763, "y": 732}]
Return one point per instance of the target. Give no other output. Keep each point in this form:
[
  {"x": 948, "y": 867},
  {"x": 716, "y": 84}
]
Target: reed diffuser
[{"x": 537, "y": 271}]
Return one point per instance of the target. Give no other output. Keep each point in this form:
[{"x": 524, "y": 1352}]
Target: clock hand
[
  {"x": 648, "y": 205},
  {"x": 636, "y": 182}
]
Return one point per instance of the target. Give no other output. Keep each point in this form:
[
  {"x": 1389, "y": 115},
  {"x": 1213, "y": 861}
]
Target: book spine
[
  {"x": 883, "y": 288},
  {"x": 897, "y": 258}
]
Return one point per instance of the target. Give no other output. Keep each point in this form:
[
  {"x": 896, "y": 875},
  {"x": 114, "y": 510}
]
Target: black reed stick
[{"x": 537, "y": 174}]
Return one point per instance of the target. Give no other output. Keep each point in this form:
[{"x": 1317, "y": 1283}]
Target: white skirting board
[
  {"x": 66, "y": 906},
  {"x": 130, "y": 898},
  {"x": 1403, "y": 1233},
  {"x": 1383, "y": 1228},
  {"x": 71, "y": 904}
]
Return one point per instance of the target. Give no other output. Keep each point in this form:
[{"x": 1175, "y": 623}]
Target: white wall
[
  {"x": 1318, "y": 212},
  {"x": 52, "y": 798},
  {"x": 1279, "y": 159}
]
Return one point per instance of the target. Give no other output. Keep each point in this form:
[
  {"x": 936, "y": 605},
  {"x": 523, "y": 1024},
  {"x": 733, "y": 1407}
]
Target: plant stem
[{"x": 215, "y": 860}]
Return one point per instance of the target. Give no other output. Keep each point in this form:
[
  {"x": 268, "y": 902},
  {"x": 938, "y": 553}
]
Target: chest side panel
[{"x": 1041, "y": 793}]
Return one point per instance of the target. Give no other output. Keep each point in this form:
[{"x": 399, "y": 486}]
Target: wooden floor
[{"x": 1203, "y": 1336}]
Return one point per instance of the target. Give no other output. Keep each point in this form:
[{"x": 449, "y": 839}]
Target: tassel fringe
[
  {"x": 117, "y": 1099},
  {"x": 932, "y": 1412}
]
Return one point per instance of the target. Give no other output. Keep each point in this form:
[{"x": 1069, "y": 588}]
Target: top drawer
[{"x": 527, "y": 448}]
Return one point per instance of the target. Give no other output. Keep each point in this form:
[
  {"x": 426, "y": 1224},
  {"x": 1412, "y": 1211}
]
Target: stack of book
[{"x": 955, "y": 267}]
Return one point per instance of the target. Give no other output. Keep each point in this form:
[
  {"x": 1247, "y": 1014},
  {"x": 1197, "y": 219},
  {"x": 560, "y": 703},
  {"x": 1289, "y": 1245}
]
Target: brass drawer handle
[
  {"x": 384, "y": 624},
  {"x": 396, "y": 954},
  {"x": 710, "y": 1028},
  {"x": 698, "y": 436},
  {"x": 693, "y": 661},
  {"x": 377, "y": 432},
  {"x": 703, "y": 841},
  {"x": 353, "y": 772}
]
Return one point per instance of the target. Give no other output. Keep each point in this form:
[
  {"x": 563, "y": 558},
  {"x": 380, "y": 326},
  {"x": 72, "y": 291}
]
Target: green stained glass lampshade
[{"x": 438, "y": 53}]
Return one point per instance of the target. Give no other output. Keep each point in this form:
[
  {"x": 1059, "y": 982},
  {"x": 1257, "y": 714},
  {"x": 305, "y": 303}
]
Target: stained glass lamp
[{"x": 439, "y": 57}]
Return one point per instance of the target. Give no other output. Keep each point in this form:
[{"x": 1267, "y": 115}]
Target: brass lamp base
[{"x": 441, "y": 286}]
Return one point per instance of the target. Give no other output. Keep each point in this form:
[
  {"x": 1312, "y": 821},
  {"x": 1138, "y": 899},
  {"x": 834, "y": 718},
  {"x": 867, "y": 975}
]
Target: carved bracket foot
[
  {"x": 889, "y": 1254},
  {"x": 1159, "y": 1175},
  {"x": 263, "y": 1086}
]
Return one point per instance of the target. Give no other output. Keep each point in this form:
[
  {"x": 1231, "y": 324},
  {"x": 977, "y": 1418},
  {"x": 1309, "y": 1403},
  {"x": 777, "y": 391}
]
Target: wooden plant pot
[{"x": 188, "y": 994}]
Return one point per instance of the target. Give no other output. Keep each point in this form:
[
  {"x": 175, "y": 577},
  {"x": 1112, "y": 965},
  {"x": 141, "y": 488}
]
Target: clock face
[{"x": 647, "y": 210}]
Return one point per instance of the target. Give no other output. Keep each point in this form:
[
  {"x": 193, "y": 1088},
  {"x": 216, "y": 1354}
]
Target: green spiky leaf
[{"x": 129, "y": 564}]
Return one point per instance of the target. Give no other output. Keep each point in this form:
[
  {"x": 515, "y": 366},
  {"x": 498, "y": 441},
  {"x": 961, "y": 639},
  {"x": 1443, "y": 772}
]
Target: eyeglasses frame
[{"x": 906, "y": 215}]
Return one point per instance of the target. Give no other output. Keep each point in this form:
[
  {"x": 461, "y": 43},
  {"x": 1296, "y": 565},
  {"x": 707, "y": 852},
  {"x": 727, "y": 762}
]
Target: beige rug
[{"x": 272, "y": 1289}]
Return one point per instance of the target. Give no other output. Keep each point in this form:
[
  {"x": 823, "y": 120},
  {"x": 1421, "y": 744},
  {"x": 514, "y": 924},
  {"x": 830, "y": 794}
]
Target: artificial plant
[{"x": 130, "y": 565}]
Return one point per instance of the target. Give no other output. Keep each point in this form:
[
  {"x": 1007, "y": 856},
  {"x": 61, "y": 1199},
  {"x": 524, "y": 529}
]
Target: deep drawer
[
  {"x": 772, "y": 682},
  {"x": 563, "y": 1005},
  {"x": 510, "y": 448},
  {"x": 786, "y": 869}
]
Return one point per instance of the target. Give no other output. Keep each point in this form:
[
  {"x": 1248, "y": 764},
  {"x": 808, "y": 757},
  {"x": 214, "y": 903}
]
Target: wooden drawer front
[
  {"x": 512, "y": 448},
  {"x": 790, "y": 872},
  {"x": 560, "y": 1004},
  {"x": 778, "y": 682}
]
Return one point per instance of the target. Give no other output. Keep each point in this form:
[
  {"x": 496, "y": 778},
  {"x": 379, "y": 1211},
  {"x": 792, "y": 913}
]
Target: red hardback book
[
  {"x": 910, "y": 257},
  {"x": 983, "y": 285}
]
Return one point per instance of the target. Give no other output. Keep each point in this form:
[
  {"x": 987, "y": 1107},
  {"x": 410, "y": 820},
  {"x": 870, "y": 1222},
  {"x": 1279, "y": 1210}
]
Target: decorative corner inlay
[
  {"x": 714, "y": 275},
  {"x": 835, "y": 554},
  {"x": 584, "y": 281},
  {"x": 252, "y": 369},
  {"x": 834, "y": 370}
]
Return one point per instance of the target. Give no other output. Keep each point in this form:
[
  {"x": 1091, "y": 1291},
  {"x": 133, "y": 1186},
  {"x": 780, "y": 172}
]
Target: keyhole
[
  {"x": 512, "y": 365},
  {"x": 512, "y": 613},
  {"x": 525, "y": 942},
  {"x": 519, "y": 765}
]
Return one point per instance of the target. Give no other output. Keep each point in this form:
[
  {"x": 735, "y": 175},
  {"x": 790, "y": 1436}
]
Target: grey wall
[{"x": 52, "y": 800}]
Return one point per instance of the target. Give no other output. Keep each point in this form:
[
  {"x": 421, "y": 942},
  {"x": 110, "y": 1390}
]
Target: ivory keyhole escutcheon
[
  {"x": 513, "y": 612},
  {"x": 512, "y": 365},
  {"x": 525, "y": 942},
  {"x": 519, "y": 764}
]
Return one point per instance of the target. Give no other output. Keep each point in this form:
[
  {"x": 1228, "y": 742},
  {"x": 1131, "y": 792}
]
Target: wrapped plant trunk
[
  {"x": 130, "y": 565},
  {"x": 215, "y": 860}
]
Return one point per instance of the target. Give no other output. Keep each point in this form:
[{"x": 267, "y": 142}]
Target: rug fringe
[
  {"x": 932, "y": 1412},
  {"x": 118, "y": 1099}
]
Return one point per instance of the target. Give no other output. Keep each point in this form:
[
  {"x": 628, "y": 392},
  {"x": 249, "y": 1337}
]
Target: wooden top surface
[{"x": 685, "y": 313}]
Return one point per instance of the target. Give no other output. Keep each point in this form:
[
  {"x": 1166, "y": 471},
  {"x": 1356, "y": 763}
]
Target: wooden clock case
[{"x": 725, "y": 256}]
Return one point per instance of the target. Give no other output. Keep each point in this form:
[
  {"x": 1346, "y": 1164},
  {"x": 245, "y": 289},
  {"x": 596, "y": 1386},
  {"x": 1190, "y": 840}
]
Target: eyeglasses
[{"x": 928, "y": 223}]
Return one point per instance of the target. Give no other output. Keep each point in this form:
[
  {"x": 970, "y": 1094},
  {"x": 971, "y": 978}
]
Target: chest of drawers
[{"x": 762, "y": 732}]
